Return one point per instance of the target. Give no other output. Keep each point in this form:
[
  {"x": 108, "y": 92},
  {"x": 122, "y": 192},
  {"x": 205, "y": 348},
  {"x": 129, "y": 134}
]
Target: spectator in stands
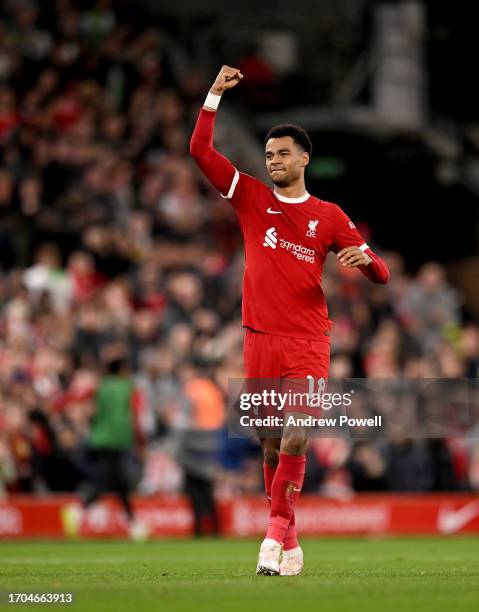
[
  {"x": 7, "y": 467},
  {"x": 196, "y": 423},
  {"x": 430, "y": 306}
]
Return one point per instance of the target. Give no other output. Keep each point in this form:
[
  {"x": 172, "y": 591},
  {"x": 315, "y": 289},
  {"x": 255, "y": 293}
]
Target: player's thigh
[
  {"x": 305, "y": 372},
  {"x": 99, "y": 466},
  {"x": 262, "y": 360},
  {"x": 120, "y": 467}
]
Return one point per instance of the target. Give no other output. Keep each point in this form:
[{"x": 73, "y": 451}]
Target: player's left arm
[
  {"x": 215, "y": 166},
  {"x": 353, "y": 252}
]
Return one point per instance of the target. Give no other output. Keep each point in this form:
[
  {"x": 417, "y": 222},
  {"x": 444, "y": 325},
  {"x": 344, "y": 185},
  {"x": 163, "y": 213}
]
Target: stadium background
[{"x": 111, "y": 242}]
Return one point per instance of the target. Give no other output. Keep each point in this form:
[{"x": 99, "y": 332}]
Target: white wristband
[{"x": 212, "y": 100}]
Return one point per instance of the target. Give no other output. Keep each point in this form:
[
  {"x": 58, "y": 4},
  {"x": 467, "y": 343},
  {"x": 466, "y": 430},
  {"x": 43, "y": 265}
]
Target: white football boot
[
  {"x": 292, "y": 562},
  {"x": 269, "y": 558}
]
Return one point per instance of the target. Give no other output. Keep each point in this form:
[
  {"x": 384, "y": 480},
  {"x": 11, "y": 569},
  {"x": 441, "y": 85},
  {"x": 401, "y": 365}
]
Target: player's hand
[
  {"x": 352, "y": 256},
  {"x": 227, "y": 78}
]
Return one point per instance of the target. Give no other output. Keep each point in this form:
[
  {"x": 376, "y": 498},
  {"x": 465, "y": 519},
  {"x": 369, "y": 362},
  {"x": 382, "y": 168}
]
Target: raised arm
[{"x": 217, "y": 168}]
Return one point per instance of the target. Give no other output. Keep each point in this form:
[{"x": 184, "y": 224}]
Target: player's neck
[{"x": 295, "y": 190}]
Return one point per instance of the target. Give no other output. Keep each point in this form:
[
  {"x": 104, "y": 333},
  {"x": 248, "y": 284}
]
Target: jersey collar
[{"x": 286, "y": 200}]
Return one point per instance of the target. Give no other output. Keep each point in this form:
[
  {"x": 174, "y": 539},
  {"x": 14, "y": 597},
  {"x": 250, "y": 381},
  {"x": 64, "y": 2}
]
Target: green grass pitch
[{"x": 408, "y": 574}]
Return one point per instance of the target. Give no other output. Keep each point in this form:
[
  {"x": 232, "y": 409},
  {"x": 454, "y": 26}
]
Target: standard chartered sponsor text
[{"x": 298, "y": 250}]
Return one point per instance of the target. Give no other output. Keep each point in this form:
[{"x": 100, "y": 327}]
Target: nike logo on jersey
[{"x": 274, "y": 212}]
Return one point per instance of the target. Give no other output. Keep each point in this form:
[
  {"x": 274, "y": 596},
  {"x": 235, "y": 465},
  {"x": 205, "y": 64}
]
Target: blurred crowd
[{"x": 112, "y": 243}]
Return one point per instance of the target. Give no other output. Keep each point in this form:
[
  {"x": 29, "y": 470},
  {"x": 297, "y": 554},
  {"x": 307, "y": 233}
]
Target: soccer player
[
  {"x": 112, "y": 439},
  {"x": 287, "y": 236}
]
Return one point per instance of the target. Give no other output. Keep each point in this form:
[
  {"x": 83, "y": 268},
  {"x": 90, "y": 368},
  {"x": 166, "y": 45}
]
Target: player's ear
[{"x": 305, "y": 159}]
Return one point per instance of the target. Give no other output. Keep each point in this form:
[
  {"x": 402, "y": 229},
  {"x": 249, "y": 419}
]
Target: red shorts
[
  {"x": 269, "y": 356},
  {"x": 294, "y": 367}
]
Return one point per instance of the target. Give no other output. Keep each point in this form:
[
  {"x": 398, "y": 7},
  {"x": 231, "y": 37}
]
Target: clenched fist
[
  {"x": 227, "y": 78},
  {"x": 352, "y": 256}
]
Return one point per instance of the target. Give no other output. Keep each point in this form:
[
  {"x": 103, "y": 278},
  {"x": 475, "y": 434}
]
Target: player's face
[{"x": 285, "y": 160}]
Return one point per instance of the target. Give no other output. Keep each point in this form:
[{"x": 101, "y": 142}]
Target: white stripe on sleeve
[
  {"x": 363, "y": 247},
  {"x": 234, "y": 182}
]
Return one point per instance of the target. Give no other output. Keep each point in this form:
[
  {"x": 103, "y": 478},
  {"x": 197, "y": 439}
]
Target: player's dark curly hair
[{"x": 297, "y": 133}]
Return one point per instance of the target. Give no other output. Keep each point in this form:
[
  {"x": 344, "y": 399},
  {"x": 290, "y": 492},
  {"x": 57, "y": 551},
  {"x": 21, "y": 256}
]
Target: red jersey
[{"x": 286, "y": 243}]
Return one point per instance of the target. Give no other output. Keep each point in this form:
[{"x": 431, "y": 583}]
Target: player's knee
[{"x": 294, "y": 443}]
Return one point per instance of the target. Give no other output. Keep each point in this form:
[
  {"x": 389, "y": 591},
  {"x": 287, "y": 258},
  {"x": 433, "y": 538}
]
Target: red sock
[
  {"x": 291, "y": 537},
  {"x": 285, "y": 489},
  {"x": 269, "y": 473}
]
